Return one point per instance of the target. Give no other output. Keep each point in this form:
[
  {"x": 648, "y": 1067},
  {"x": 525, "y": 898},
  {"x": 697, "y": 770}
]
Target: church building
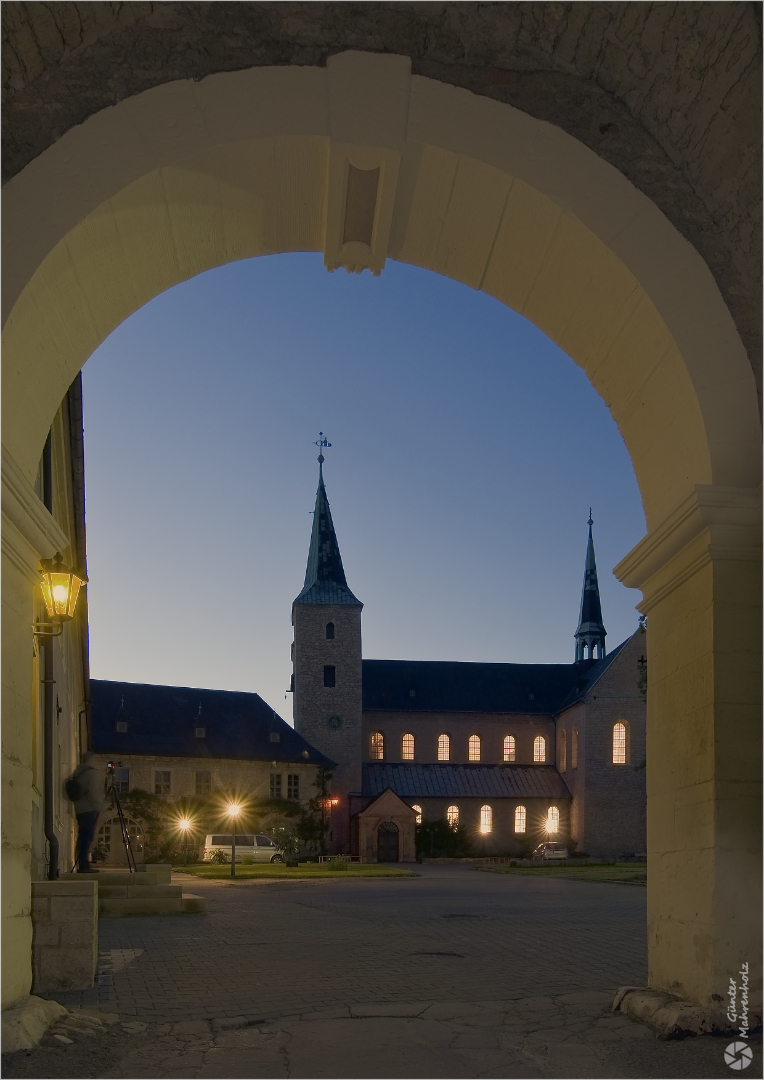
[{"x": 516, "y": 753}]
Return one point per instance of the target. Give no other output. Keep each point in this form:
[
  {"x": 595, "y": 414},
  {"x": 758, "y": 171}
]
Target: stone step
[
  {"x": 115, "y": 877},
  {"x": 132, "y": 905},
  {"x": 138, "y": 891}
]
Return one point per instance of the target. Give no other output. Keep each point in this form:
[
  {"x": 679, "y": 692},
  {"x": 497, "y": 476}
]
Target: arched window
[
  {"x": 553, "y": 819},
  {"x": 539, "y": 748},
  {"x": 520, "y": 816},
  {"x": 486, "y": 819},
  {"x": 330, "y": 631},
  {"x": 509, "y": 748},
  {"x": 376, "y": 746},
  {"x": 474, "y": 748},
  {"x": 110, "y": 838},
  {"x": 407, "y": 747},
  {"x": 444, "y": 748},
  {"x": 418, "y": 813},
  {"x": 563, "y": 750},
  {"x": 574, "y": 748},
  {"x": 619, "y": 743},
  {"x": 452, "y": 816}
]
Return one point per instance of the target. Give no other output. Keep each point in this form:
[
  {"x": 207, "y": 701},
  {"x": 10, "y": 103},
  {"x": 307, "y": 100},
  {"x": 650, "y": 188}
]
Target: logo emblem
[{"x": 738, "y": 1056}]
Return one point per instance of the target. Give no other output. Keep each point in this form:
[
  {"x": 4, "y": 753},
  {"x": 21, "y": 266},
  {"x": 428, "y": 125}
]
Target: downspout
[
  {"x": 48, "y": 681},
  {"x": 77, "y": 449}
]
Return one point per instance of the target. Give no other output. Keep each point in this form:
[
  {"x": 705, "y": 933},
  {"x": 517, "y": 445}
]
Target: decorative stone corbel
[{"x": 29, "y": 531}]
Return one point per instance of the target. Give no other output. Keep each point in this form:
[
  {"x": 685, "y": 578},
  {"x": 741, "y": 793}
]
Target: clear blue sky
[{"x": 467, "y": 449}]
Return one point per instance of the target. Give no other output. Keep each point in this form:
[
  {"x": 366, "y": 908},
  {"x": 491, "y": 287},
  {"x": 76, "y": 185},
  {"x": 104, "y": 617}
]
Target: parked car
[
  {"x": 550, "y": 850},
  {"x": 249, "y": 846}
]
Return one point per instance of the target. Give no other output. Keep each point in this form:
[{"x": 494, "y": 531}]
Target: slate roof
[
  {"x": 325, "y": 581},
  {"x": 161, "y": 721},
  {"x": 590, "y": 612},
  {"x": 411, "y": 781}
]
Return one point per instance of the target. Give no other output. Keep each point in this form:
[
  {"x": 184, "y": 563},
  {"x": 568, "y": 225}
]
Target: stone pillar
[
  {"x": 65, "y": 938},
  {"x": 700, "y": 574}
]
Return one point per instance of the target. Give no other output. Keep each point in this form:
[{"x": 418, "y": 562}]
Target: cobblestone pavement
[{"x": 452, "y": 974}]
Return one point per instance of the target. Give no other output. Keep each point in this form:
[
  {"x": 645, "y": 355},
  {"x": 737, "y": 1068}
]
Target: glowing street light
[
  {"x": 185, "y": 825},
  {"x": 60, "y": 588},
  {"x": 233, "y": 809}
]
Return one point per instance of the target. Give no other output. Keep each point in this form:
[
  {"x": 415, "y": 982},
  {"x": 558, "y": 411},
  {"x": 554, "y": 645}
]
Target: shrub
[
  {"x": 438, "y": 840},
  {"x": 339, "y": 862},
  {"x": 219, "y": 856}
]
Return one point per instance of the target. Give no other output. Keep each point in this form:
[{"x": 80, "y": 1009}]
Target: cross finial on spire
[
  {"x": 591, "y": 520},
  {"x": 321, "y": 442}
]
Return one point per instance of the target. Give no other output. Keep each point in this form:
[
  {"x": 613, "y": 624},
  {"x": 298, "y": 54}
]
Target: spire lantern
[{"x": 590, "y": 633}]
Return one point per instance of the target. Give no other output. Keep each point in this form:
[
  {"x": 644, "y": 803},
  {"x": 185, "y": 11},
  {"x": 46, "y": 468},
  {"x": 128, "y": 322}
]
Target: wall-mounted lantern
[{"x": 60, "y": 588}]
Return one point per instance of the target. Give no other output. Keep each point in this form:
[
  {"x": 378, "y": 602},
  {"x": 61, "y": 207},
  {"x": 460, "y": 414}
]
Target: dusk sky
[{"x": 466, "y": 452}]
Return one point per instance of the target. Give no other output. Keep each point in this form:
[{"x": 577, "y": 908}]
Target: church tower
[
  {"x": 326, "y": 659},
  {"x": 590, "y": 634}
]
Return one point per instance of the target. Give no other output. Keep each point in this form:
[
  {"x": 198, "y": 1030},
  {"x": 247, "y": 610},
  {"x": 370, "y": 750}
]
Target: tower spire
[
  {"x": 325, "y": 581},
  {"x": 590, "y": 633}
]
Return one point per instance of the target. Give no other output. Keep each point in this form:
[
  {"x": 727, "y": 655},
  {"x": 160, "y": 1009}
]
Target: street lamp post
[
  {"x": 233, "y": 812},
  {"x": 184, "y": 825}
]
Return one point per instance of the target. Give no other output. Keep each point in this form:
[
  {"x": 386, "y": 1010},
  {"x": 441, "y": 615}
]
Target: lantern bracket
[{"x": 47, "y": 629}]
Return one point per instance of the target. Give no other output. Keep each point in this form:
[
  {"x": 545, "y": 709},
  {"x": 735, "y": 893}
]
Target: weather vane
[{"x": 321, "y": 442}]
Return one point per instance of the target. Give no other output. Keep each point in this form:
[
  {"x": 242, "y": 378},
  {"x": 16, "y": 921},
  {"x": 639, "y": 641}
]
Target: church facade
[{"x": 516, "y": 753}]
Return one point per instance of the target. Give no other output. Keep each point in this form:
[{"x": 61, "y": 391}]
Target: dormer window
[
  {"x": 121, "y": 726},
  {"x": 200, "y": 732},
  {"x": 275, "y": 736}
]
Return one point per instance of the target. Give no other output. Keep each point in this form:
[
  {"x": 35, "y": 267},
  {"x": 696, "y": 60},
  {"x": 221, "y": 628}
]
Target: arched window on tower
[
  {"x": 330, "y": 631},
  {"x": 563, "y": 750},
  {"x": 474, "y": 748},
  {"x": 376, "y": 746},
  {"x": 539, "y": 749},
  {"x": 520, "y": 818},
  {"x": 444, "y": 748},
  {"x": 574, "y": 748},
  {"x": 418, "y": 813},
  {"x": 619, "y": 743},
  {"x": 509, "y": 748},
  {"x": 553, "y": 819},
  {"x": 486, "y": 819},
  {"x": 407, "y": 747},
  {"x": 452, "y": 816}
]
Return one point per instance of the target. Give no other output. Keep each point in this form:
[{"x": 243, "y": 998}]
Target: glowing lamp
[
  {"x": 60, "y": 588},
  {"x": 233, "y": 809},
  {"x": 334, "y": 802},
  {"x": 184, "y": 824}
]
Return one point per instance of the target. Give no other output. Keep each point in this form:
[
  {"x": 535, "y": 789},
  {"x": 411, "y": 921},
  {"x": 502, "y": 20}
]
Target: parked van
[{"x": 249, "y": 846}]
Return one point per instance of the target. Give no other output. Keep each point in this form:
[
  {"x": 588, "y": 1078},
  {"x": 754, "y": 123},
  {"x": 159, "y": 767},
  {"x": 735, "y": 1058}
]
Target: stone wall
[{"x": 65, "y": 935}]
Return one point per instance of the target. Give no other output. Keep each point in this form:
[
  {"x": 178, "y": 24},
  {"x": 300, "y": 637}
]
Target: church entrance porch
[{"x": 387, "y": 842}]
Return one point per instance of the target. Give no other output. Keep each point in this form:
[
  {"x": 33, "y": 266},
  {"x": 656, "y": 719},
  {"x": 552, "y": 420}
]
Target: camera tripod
[{"x": 117, "y": 805}]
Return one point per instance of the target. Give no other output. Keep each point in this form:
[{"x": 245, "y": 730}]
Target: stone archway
[{"x": 364, "y": 161}]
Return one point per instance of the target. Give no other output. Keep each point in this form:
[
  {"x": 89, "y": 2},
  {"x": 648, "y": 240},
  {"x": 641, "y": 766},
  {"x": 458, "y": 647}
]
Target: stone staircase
[{"x": 146, "y": 892}]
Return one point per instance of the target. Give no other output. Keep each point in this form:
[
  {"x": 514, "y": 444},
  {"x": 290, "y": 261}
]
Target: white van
[{"x": 249, "y": 846}]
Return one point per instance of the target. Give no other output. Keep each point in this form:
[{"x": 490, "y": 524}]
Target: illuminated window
[
  {"x": 407, "y": 748},
  {"x": 563, "y": 750},
  {"x": 452, "y": 816},
  {"x": 520, "y": 819},
  {"x": 509, "y": 748},
  {"x": 418, "y": 813},
  {"x": 539, "y": 748},
  {"x": 474, "y": 748},
  {"x": 553, "y": 819},
  {"x": 486, "y": 819},
  {"x": 444, "y": 748},
  {"x": 376, "y": 746},
  {"x": 330, "y": 631},
  {"x": 275, "y": 785},
  {"x": 619, "y": 744},
  {"x": 162, "y": 782},
  {"x": 574, "y": 748}
]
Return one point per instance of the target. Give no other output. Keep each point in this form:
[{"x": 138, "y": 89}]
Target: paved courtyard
[{"x": 455, "y": 973}]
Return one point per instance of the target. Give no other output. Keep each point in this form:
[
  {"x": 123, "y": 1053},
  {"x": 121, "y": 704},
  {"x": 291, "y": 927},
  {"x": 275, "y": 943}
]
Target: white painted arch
[{"x": 186, "y": 176}]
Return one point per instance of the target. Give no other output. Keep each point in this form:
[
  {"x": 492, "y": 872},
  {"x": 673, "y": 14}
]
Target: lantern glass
[{"x": 60, "y": 589}]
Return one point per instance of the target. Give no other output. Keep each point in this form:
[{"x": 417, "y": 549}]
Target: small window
[
  {"x": 444, "y": 748},
  {"x": 486, "y": 819},
  {"x": 122, "y": 781},
  {"x": 161, "y": 782},
  {"x": 329, "y": 675},
  {"x": 563, "y": 750},
  {"x": 121, "y": 726},
  {"x": 574, "y": 748},
  {"x": 520, "y": 818},
  {"x": 203, "y": 783},
  {"x": 418, "y": 813},
  {"x": 619, "y": 744},
  {"x": 553, "y": 819},
  {"x": 275, "y": 785},
  {"x": 509, "y": 748},
  {"x": 474, "y": 748},
  {"x": 275, "y": 736},
  {"x": 376, "y": 746},
  {"x": 330, "y": 631},
  {"x": 539, "y": 749},
  {"x": 200, "y": 732},
  {"x": 407, "y": 748},
  {"x": 452, "y": 816},
  {"x": 293, "y": 786}
]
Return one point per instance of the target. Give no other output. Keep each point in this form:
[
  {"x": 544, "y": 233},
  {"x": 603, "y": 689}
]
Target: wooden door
[{"x": 387, "y": 842}]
